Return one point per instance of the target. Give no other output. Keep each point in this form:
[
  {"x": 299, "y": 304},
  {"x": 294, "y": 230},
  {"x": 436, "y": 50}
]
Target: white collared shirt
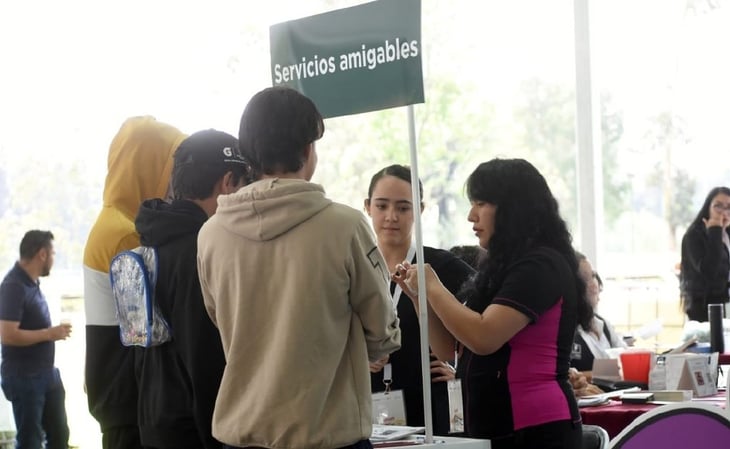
[{"x": 596, "y": 340}]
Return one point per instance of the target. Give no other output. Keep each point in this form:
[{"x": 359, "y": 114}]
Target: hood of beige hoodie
[{"x": 270, "y": 207}]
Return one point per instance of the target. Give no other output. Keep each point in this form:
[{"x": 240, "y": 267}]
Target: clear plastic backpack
[{"x": 133, "y": 276}]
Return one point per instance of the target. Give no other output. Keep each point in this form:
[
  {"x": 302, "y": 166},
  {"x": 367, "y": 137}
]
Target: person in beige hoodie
[{"x": 298, "y": 290}]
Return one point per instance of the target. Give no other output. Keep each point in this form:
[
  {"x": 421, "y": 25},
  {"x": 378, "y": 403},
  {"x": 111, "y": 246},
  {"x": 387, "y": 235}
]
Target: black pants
[
  {"x": 123, "y": 437},
  {"x": 554, "y": 435}
]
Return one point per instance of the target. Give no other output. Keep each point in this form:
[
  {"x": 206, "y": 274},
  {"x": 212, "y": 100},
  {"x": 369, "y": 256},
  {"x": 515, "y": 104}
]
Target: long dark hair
[
  {"x": 697, "y": 224},
  {"x": 527, "y": 217},
  {"x": 580, "y": 257},
  {"x": 704, "y": 213}
]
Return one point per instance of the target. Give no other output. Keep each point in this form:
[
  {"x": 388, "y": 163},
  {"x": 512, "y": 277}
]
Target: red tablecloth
[
  {"x": 724, "y": 359},
  {"x": 614, "y": 416}
]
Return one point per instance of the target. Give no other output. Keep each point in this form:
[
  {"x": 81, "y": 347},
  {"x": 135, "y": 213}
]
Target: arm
[
  {"x": 198, "y": 344},
  {"x": 453, "y": 272},
  {"x": 11, "y": 313},
  {"x": 449, "y": 320},
  {"x": 529, "y": 288},
  {"x": 702, "y": 248},
  {"x": 482, "y": 333},
  {"x": 12, "y": 335},
  {"x": 369, "y": 296}
]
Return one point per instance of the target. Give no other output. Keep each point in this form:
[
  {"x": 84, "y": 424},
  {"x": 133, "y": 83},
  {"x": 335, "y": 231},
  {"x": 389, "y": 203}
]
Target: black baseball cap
[{"x": 209, "y": 147}]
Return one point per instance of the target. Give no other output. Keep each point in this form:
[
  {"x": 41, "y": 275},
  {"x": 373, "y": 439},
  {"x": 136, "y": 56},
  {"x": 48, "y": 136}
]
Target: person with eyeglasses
[
  {"x": 705, "y": 266},
  {"x": 594, "y": 340}
]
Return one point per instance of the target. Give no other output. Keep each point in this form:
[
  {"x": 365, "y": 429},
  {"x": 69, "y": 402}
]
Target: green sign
[{"x": 352, "y": 60}]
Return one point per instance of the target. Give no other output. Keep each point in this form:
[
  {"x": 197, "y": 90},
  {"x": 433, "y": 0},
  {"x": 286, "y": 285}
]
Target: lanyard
[
  {"x": 387, "y": 377},
  {"x": 398, "y": 290}
]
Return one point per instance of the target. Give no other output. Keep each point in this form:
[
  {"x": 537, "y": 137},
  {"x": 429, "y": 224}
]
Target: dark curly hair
[{"x": 526, "y": 218}]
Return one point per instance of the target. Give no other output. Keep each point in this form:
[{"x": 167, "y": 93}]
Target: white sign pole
[{"x": 422, "y": 300}]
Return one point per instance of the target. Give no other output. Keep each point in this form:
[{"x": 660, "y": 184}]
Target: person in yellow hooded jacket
[{"x": 139, "y": 167}]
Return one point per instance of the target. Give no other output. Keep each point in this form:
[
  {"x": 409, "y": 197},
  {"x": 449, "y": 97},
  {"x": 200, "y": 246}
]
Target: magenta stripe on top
[{"x": 532, "y": 372}]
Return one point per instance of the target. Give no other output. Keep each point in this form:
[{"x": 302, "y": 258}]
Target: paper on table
[
  {"x": 612, "y": 394},
  {"x": 387, "y": 433},
  {"x": 591, "y": 401}
]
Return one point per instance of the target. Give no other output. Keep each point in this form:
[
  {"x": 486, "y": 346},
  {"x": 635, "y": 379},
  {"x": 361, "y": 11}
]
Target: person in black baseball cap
[
  {"x": 203, "y": 160},
  {"x": 180, "y": 378}
]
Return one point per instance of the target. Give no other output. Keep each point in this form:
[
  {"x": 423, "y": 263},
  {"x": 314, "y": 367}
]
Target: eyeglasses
[{"x": 721, "y": 207}]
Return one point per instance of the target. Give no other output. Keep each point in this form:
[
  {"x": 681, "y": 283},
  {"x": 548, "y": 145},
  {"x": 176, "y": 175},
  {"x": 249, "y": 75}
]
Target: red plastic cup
[{"x": 635, "y": 365}]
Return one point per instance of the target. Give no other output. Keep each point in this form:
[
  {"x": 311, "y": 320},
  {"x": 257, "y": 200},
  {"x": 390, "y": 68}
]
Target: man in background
[
  {"x": 29, "y": 378},
  {"x": 178, "y": 380},
  {"x": 138, "y": 168},
  {"x": 298, "y": 290}
]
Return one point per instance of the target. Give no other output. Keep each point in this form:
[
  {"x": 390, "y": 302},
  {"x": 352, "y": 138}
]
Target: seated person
[{"x": 592, "y": 343}]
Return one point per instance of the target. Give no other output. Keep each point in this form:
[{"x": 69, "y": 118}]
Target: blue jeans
[{"x": 39, "y": 409}]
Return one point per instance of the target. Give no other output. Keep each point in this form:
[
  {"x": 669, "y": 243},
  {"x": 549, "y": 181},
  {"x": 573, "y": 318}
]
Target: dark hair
[
  {"x": 402, "y": 172},
  {"x": 276, "y": 126},
  {"x": 34, "y": 241},
  {"x": 526, "y": 217},
  {"x": 471, "y": 254},
  {"x": 580, "y": 257},
  {"x": 196, "y": 181},
  {"x": 704, "y": 212}
]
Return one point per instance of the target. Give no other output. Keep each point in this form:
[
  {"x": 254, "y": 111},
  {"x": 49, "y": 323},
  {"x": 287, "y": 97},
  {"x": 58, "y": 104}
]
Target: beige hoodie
[{"x": 298, "y": 289}]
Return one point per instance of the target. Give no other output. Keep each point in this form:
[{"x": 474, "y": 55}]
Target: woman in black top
[
  {"x": 705, "y": 267},
  {"x": 516, "y": 331},
  {"x": 389, "y": 205}
]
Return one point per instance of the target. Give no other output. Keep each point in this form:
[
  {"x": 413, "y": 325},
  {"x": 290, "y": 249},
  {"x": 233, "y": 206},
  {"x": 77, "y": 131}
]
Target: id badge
[
  {"x": 576, "y": 352},
  {"x": 389, "y": 408},
  {"x": 456, "y": 406}
]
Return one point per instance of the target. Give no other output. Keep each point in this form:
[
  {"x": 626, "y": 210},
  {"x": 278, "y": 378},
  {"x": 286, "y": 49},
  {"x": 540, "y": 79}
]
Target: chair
[
  {"x": 594, "y": 437},
  {"x": 675, "y": 426}
]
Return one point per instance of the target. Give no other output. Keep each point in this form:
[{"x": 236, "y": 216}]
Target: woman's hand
[
  {"x": 444, "y": 372},
  {"x": 577, "y": 380},
  {"x": 377, "y": 366},
  {"x": 406, "y": 275},
  {"x": 580, "y": 384},
  {"x": 720, "y": 219}
]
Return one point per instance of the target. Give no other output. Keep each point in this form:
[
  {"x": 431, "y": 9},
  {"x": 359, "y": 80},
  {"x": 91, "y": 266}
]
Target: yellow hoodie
[{"x": 139, "y": 167}]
